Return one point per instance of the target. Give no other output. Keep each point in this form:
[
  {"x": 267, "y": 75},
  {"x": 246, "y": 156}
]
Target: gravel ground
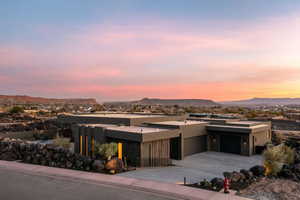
[{"x": 273, "y": 189}]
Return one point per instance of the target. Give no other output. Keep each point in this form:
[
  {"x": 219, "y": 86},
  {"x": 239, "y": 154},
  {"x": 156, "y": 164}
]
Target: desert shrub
[
  {"x": 16, "y": 109},
  {"x": 62, "y": 142},
  {"x": 275, "y": 157},
  {"x": 277, "y": 138},
  {"x": 107, "y": 150}
]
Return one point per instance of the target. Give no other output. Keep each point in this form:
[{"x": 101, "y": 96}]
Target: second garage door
[
  {"x": 194, "y": 145},
  {"x": 230, "y": 144}
]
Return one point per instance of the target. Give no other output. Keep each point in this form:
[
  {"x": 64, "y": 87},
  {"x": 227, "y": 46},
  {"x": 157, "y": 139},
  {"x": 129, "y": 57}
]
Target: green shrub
[
  {"x": 62, "y": 142},
  {"x": 107, "y": 150},
  {"x": 275, "y": 157},
  {"x": 16, "y": 109}
]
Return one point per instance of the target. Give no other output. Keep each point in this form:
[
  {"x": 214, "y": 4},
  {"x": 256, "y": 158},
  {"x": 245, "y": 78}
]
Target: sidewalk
[{"x": 176, "y": 191}]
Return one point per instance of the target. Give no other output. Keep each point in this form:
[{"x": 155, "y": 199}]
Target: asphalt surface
[{"x": 16, "y": 185}]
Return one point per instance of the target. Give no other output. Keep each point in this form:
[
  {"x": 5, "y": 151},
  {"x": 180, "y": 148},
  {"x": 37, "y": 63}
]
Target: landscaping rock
[
  {"x": 227, "y": 174},
  {"x": 114, "y": 165},
  {"x": 248, "y": 174},
  {"x": 205, "y": 185},
  {"x": 98, "y": 166},
  {"x": 217, "y": 184},
  {"x": 236, "y": 177},
  {"x": 49, "y": 155},
  {"x": 258, "y": 170},
  {"x": 297, "y": 168}
]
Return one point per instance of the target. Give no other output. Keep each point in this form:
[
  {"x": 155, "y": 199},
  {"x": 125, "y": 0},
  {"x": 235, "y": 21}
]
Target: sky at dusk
[{"x": 130, "y": 49}]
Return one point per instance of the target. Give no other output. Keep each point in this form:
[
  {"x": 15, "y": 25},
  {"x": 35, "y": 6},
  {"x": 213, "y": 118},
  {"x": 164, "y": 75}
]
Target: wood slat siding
[{"x": 155, "y": 153}]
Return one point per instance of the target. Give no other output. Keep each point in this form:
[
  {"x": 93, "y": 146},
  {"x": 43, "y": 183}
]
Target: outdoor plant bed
[
  {"x": 49, "y": 155},
  {"x": 281, "y": 165},
  {"x": 238, "y": 180}
]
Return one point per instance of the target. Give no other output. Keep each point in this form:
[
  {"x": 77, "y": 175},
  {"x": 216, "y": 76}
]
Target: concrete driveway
[{"x": 206, "y": 165}]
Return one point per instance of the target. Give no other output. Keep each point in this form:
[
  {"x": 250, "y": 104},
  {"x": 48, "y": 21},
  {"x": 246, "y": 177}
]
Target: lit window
[{"x": 93, "y": 145}]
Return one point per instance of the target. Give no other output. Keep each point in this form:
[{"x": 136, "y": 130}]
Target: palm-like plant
[{"x": 107, "y": 150}]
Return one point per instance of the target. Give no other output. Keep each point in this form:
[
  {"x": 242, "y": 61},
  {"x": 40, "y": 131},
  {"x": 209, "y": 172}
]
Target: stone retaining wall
[{"x": 47, "y": 155}]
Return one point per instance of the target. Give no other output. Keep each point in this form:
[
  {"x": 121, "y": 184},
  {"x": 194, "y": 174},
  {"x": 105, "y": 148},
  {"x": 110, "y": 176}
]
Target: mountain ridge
[
  {"x": 264, "y": 101},
  {"x": 169, "y": 102},
  {"x": 24, "y": 99}
]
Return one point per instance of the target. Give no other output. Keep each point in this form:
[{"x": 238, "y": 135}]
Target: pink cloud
[{"x": 136, "y": 61}]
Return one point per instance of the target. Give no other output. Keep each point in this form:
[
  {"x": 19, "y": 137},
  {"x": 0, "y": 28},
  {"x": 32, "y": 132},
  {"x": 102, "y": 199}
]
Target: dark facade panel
[
  {"x": 230, "y": 144},
  {"x": 230, "y": 129},
  {"x": 175, "y": 148},
  {"x": 124, "y": 135},
  {"x": 94, "y": 120}
]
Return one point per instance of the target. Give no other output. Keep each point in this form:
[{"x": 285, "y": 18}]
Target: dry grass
[
  {"x": 62, "y": 142},
  {"x": 107, "y": 150},
  {"x": 275, "y": 157}
]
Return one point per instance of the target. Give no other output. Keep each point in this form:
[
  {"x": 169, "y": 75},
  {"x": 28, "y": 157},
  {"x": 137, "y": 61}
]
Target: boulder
[
  {"x": 236, "y": 177},
  {"x": 205, "y": 185},
  {"x": 217, "y": 184},
  {"x": 114, "y": 165},
  {"x": 247, "y": 174},
  {"x": 296, "y": 168},
  {"x": 98, "y": 166},
  {"x": 286, "y": 172},
  {"x": 227, "y": 174},
  {"x": 258, "y": 170}
]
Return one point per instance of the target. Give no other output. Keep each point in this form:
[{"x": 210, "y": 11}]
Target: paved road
[
  {"x": 15, "y": 185},
  {"x": 197, "y": 167}
]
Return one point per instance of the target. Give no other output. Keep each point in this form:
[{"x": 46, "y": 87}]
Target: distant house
[{"x": 154, "y": 140}]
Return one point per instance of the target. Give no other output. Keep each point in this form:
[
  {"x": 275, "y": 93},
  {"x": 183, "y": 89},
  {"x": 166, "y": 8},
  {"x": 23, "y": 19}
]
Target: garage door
[
  {"x": 194, "y": 145},
  {"x": 230, "y": 144}
]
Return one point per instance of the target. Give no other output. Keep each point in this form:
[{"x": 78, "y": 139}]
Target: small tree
[
  {"x": 107, "y": 150},
  {"x": 275, "y": 157},
  {"x": 16, "y": 109}
]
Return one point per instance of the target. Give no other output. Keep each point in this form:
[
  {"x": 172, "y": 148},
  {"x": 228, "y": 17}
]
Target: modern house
[{"x": 154, "y": 140}]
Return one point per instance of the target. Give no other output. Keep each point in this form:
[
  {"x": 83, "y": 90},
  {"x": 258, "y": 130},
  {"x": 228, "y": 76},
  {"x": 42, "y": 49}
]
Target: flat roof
[
  {"x": 179, "y": 123},
  {"x": 97, "y": 125},
  {"x": 238, "y": 127},
  {"x": 245, "y": 123},
  {"x": 212, "y": 119},
  {"x": 131, "y": 129},
  {"x": 118, "y": 115},
  {"x": 137, "y": 129}
]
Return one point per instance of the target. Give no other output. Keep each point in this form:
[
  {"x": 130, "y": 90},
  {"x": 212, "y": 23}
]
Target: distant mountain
[
  {"x": 6, "y": 99},
  {"x": 264, "y": 101},
  {"x": 169, "y": 102}
]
